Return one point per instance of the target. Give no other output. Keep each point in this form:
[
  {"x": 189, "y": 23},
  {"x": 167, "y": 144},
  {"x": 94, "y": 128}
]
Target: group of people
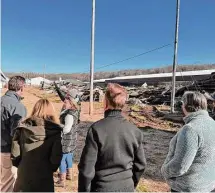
[
  {"x": 37, "y": 145},
  {"x": 113, "y": 158}
]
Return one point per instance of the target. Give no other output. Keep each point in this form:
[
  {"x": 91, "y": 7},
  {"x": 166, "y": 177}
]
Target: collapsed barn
[
  {"x": 145, "y": 94},
  {"x": 157, "y": 79}
]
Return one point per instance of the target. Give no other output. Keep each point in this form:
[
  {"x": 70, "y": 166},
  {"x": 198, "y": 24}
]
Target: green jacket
[{"x": 37, "y": 152}]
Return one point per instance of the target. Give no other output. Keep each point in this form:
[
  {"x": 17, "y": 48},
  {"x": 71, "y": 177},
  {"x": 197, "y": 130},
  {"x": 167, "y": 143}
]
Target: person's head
[
  {"x": 16, "y": 83},
  {"x": 70, "y": 103},
  {"x": 44, "y": 109},
  {"x": 115, "y": 97},
  {"x": 193, "y": 102}
]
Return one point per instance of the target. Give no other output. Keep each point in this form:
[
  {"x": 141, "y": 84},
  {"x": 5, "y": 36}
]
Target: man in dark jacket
[
  {"x": 12, "y": 111},
  {"x": 113, "y": 158}
]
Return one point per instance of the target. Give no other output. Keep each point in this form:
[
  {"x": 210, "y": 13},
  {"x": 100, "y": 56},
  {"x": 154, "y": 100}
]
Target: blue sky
[{"x": 57, "y": 33}]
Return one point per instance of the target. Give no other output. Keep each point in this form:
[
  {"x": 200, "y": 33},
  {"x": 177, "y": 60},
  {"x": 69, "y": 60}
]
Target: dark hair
[
  {"x": 116, "y": 95},
  {"x": 16, "y": 83}
]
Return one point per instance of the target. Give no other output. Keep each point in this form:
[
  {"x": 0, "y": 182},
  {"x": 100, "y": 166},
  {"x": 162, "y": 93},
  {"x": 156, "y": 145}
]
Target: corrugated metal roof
[{"x": 187, "y": 73}]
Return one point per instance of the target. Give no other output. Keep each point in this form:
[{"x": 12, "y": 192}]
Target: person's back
[
  {"x": 37, "y": 152},
  {"x": 189, "y": 165},
  {"x": 113, "y": 157},
  {"x": 118, "y": 142},
  {"x": 12, "y": 111},
  {"x": 201, "y": 174}
]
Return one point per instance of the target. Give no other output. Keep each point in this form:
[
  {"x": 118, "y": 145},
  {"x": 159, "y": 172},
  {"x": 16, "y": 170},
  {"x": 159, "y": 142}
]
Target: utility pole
[
  {"x": 44, "y": 72},
  {"x": 175, "y": 56},
  {"x": 92, "y": 56}
]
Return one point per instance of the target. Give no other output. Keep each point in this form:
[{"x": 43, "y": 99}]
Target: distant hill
[{"x": 101, "y": 75}]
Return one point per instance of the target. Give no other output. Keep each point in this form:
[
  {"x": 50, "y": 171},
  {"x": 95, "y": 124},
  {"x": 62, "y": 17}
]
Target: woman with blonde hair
[
  {"x": 37, "y": 150},
  {"x": 113, "y": 158}
]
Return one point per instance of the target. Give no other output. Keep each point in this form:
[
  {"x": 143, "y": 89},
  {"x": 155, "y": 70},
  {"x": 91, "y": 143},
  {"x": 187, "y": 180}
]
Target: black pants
[{"x": 173, "y": 190}]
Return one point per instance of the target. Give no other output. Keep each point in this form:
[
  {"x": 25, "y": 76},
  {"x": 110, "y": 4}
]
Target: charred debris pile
[{"x": 141, "y": 97}]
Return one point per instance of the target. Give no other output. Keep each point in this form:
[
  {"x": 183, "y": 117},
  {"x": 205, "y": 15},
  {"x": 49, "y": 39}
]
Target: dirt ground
[{"x": 156, "y": 143}]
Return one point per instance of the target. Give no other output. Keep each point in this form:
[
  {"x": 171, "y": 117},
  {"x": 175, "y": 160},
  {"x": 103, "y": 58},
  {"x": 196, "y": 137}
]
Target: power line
[
  {"x": 135, "y": 56},
  {"x": 132, "y": 57}
]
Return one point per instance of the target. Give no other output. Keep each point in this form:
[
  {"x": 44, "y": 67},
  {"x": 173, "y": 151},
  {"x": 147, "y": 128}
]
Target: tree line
[{"x": 104, "y": 75}]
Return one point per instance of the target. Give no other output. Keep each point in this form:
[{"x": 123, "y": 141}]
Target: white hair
[{"x": 194, "y": 101}]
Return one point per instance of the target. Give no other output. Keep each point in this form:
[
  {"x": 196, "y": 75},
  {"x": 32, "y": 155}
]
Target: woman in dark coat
[
  {"x": 113, "y": 158},
  {"x": 37, "y": 150}
]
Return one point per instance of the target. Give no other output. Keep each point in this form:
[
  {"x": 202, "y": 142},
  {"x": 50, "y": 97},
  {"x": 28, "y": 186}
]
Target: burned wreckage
[
  {"x": 80, "y": 91},
  {"x": 140, "y": 95},
  {"x": 161, "y": 95}
]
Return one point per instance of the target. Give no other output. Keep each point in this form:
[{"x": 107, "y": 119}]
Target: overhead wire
[
  {"x": 135, "y": 56},
  {"x": 132, "y": 57}
]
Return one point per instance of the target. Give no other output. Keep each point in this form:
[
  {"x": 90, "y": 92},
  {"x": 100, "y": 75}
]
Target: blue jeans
[{"x": 66, "y": 162}]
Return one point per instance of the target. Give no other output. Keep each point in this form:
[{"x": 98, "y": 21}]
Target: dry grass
[
  {"x": 147, "y": 116},
  {"x": 42, "y": 94}
]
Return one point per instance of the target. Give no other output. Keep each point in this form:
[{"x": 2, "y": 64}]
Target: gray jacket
[
  {"x": 12, "y": 111},
  {"x": 190, "y": 163}
]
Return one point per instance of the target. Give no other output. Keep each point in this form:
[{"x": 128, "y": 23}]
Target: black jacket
[
  {"x": 113, "y": 157},
  {"x": 12, "y": 111}
]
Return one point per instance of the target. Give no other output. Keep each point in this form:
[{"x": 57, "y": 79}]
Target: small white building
[
  {"x": 37, "y": 81},
  {"x": 4, "y": 80},
  {"x": 28, "y": 81}
]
